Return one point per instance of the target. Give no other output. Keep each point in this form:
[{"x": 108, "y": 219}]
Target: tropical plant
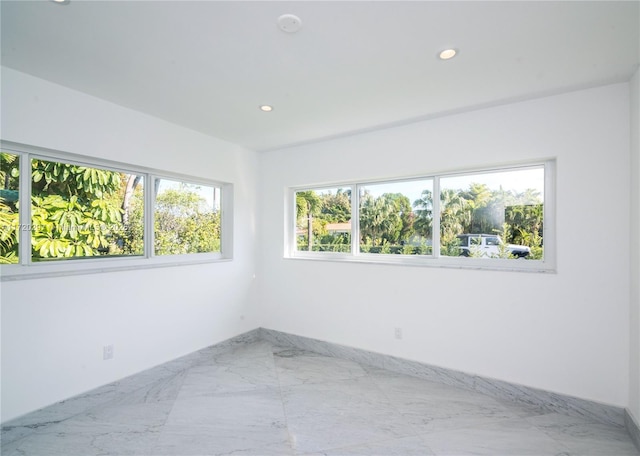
[
  {"x": 184, "y": 223},
  {"x": 336, "y": 208},
  {"x": 308, "y": 204},
  {"x": 74, "y": 209},
  {"x": 387, "y": 219},
  {"x": 455, "y": 218},
  {"x": 423, "y": 210},
  {"x": 9, "y": 217}
]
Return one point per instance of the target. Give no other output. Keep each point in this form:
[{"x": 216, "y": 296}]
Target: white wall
[
  {"x": 564, "y": 332},
  {"x": 634, "y": 352},
  {"x": 53, "y": 330}
]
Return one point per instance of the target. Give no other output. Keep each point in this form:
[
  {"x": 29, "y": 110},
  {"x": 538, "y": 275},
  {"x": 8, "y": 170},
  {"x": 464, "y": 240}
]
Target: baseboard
[
  {"x": 633, "y": 427},
  {"x": 554, "y": 402}
]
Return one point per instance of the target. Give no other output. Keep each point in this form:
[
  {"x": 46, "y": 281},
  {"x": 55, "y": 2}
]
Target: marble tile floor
[{"x": 262, "y": 399}]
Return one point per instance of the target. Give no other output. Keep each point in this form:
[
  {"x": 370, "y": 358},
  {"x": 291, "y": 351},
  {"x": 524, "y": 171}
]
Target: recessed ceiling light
[
  {"x": 61, "y": 2},
  {"x": 447, "y": 54},
  {"x": 266, "y": 108}
]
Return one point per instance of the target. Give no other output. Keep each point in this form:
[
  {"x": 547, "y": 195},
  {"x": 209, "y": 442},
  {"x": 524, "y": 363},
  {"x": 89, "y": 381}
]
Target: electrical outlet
[
  {"x": 107, "y": 352},
  {"x": 398, "y": 333}
]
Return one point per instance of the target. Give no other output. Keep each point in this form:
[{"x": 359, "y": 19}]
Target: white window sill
[
  {"x": 72, "y": 267},
  {"x": 489, "y": 264}
]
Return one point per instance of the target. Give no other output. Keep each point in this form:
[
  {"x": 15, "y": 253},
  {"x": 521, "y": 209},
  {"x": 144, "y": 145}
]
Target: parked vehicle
[{"x": 489, "y": 245}]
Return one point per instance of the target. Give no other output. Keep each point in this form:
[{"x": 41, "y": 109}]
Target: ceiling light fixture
[
  {"x": 61, "y": 2},
  {"x": 447, "y": 54},
  {"x": 266, "y": 108}
]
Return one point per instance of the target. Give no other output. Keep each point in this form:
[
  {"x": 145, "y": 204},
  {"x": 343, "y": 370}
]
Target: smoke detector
[{"x": 289, "y": 23}]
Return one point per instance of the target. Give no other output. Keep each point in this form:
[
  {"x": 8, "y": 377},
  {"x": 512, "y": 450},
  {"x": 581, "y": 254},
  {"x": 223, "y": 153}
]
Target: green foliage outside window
[
  {"x": 184, "y": 223},
  {"x": 79, "y": 211},
  {"x": 391, "y": 224},
  {"x": 9, "y": 215},
  {"x": 316, "y": 212}
]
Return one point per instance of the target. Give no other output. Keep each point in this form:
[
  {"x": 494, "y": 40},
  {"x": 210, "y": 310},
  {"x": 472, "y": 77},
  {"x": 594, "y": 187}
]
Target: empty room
[{"x": 319, "y": 228}]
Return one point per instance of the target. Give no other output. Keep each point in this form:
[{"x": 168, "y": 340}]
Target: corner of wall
[{"x": 634, "y": 304}]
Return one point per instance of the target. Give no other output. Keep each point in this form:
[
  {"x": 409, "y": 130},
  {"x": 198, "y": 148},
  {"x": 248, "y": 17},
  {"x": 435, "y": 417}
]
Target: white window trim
[
  {"x": 546, "y": 265},
  {"x": 27, "y": 269}
]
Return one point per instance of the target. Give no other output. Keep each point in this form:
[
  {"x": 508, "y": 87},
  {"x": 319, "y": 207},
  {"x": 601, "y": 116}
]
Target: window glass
[
  {"x": 492, "y": 241},
  {"x": 186, "y": 217},
  {"x": 9, "y": 215},
  {"x": 79, "y": 212},
  {"x": 508, "y": 205},
  {"x": 396, "y": 217},
  {"x": 323, "y": 220},
  {"x": 484, "y": 214},
  {"x": 78, "y": 216}
]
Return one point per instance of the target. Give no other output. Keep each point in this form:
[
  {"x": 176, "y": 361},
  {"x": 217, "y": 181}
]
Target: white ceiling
[{"x": 353, "y": 66}]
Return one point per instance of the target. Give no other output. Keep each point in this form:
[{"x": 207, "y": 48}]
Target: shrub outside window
[
  {"x": 79, "y": 211},
  {"x": 186, "y": 217}
]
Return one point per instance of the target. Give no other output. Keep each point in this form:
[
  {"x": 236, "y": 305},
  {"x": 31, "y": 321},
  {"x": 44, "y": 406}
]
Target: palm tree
[
  {"x": 423, "y": 210},
  {"x": 455, "y": 218},
  {"x": 479, "y": 199},
  {"x": 308, "y": 204}
]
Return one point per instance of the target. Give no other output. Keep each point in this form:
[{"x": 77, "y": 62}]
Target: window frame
[
  {"x": 26, "y": 268},
  {"x": 435, "y": 259}
]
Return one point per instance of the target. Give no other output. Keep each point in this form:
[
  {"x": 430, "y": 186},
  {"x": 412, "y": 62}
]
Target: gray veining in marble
[
  {"x": 335, "y": 414},
  {"x": 495, "y": 439},
  {"x": 496, "y": 388},
  {"x": 150, "y": 382},
  {"x": 585, "y": 437},
  {"x": 403, "y": 446},
  {"x": 271, "y": 397},
  {"x": 633, "y": 428}
]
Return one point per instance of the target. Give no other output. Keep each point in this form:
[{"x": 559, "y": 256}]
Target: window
[
  {"x": 396, "y": 217},
  {"x": 506, "y": 206},
  {"x": 493, "y": 241},
  {"x": 323, "y": 220},
  {"x": 486, "y": 218},
  {"x": 187, "y": 218},
  {"x": 82, "y": 212}
]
